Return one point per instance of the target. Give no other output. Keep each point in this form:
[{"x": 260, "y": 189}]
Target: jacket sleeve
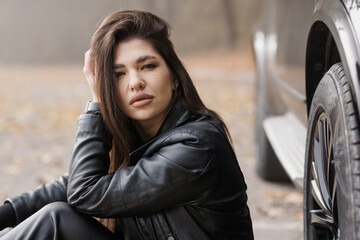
[
  {"x": 173, "y": 175},
  {"x": 28, "y": 203}
]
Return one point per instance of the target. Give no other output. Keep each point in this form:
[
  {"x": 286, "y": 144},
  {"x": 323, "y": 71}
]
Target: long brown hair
[{"x": 117, "y": 27}]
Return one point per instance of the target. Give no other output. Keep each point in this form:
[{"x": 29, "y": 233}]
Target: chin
[{"x": 143, "y": 116}]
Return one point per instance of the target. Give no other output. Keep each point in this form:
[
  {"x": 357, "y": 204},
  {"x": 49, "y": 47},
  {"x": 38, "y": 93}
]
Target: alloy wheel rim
[{"x": 322, "y": 209}]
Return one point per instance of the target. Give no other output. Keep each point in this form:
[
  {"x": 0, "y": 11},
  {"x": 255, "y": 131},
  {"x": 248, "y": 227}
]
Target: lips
[{"x": 140, "y": 99}]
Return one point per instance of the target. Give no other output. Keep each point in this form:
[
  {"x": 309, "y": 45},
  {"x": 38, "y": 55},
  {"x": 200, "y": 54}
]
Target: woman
[{"x": 150, "y": 160}]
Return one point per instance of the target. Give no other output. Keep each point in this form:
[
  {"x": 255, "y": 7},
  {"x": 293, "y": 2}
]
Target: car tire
[
  {"x": 332, "y": 164},
  {"x": 267, "y": 164}
]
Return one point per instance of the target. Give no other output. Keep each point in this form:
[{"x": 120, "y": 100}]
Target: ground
[{"x": 39, "y": 107}]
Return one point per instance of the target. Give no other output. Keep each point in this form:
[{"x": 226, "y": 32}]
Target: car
[{"x": 307, "y": 56}]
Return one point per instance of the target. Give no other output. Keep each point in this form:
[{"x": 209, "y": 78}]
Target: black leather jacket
[{"x": 185, "y": 183}]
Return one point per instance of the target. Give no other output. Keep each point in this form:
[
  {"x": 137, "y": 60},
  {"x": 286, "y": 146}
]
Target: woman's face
[{"x": 144, "y": 83}]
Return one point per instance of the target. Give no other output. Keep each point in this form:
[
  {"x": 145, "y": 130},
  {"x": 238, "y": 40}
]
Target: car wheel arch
[
  {"x": 321, "y": 54},
  {"x": 331, "y": 39}
]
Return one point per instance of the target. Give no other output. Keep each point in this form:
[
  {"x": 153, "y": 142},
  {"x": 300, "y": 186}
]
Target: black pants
[{"x": 59, "y": 221}]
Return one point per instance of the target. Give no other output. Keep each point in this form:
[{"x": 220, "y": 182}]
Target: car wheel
[
  {"x": 332, "y": 165},
  {"x": 267, "y": 164}
]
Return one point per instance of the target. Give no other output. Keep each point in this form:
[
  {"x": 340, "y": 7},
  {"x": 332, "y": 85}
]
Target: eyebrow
[
  {"x": 144, "y": 58},
  {"x": 138, "y": 60}
]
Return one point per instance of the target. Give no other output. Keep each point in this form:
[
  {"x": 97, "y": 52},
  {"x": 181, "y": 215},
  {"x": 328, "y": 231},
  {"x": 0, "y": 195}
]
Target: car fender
[{"x": 333, "y": 20}]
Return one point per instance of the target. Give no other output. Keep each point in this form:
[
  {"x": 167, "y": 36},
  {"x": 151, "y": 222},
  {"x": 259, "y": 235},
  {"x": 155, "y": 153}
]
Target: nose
[{"x": 136, "y": 81}]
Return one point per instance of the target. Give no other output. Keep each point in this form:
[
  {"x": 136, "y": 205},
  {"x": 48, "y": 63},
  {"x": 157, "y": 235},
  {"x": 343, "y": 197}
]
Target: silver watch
[{"x": 92, "y": 108}]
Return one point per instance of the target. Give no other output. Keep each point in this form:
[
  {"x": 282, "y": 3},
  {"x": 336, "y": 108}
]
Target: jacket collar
[{"x": 176, "y": 117}]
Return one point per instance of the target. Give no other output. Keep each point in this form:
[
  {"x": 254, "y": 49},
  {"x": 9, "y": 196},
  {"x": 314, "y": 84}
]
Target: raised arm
[{"x": 173, "y": 172}]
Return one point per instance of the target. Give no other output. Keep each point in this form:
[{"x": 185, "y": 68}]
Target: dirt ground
[{"x": 39, "y": 107}]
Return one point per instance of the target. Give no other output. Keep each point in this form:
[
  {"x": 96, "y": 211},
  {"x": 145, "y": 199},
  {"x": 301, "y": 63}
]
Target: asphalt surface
[{"x": 38, "y": 111}]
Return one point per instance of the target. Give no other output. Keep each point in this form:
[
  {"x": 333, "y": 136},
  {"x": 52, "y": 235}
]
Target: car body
[{"x": 300, "y": 48}]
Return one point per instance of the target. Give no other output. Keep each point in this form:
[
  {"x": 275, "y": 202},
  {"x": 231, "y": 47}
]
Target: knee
[{"x": 55, "y": 208}]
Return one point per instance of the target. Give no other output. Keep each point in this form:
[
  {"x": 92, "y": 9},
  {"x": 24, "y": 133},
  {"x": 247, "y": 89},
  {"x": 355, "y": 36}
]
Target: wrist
[{"x": 95, "y": 98}]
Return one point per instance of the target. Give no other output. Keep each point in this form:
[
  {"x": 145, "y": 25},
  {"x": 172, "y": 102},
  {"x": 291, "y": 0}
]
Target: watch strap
[{"x": 92, "y": 107}]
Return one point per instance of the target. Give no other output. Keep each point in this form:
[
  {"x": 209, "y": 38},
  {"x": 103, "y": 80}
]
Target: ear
[{"x": 174, "y": 83}]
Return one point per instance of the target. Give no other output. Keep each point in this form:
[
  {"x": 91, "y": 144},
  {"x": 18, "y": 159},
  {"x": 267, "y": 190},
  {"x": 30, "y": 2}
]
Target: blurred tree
[
  {"x": 37, "y": 32},
  {"x": 229, "y": 24}
]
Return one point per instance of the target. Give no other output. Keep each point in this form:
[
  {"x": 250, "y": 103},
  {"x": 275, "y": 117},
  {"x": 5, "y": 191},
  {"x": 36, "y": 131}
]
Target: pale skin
[{"x": 145, "y": 84}]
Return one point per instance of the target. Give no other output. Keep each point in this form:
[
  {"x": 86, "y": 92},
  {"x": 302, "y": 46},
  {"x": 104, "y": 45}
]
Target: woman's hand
[
  {"x": 89, "y": 74},
  {"x": 7, "y": 216}
]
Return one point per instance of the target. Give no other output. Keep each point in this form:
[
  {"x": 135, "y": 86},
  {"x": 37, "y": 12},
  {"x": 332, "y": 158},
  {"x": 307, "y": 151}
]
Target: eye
[
  {"x": 149, "y": 66},
  {"x": 119, "y": 74}
]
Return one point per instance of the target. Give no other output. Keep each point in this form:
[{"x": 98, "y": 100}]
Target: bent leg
[
  {"x": 4, "y": 231},
  {"x": 59, "y": 221}
]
